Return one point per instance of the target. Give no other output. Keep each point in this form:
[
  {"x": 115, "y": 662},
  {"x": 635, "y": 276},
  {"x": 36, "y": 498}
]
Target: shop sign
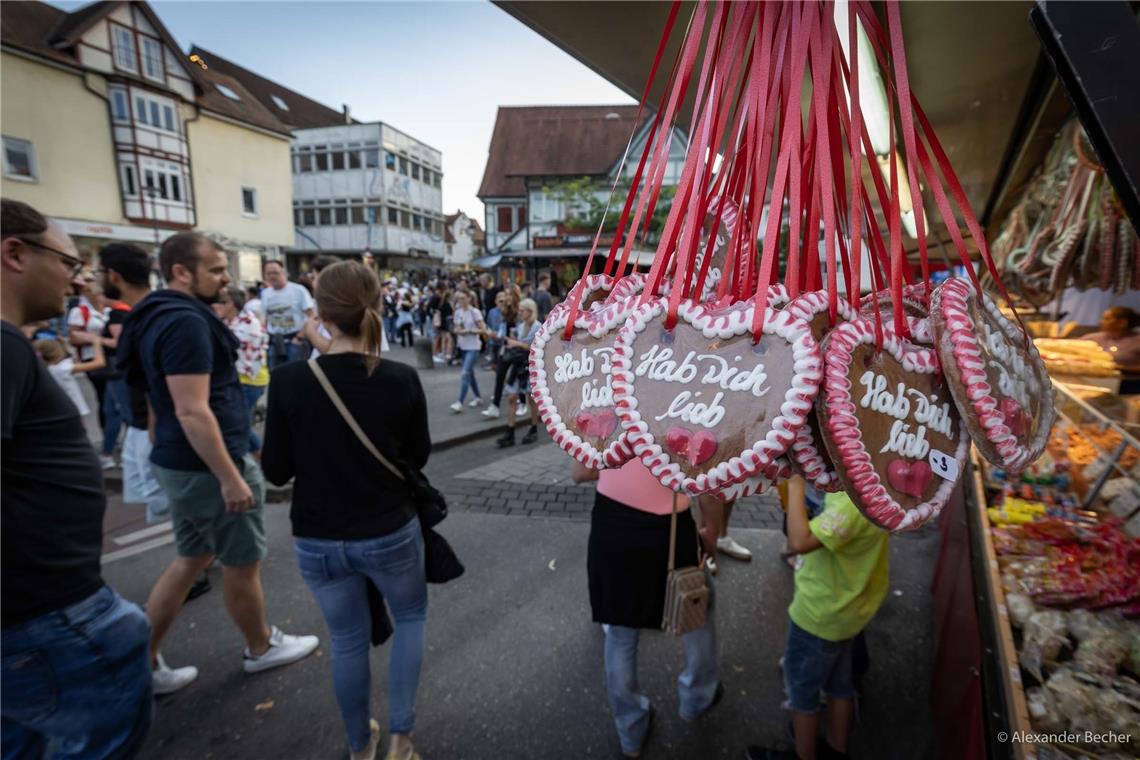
[{"x": 111, "y": 231}]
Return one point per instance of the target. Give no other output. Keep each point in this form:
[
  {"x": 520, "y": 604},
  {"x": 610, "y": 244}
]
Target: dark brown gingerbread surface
[{"x": 578, "y": 374}]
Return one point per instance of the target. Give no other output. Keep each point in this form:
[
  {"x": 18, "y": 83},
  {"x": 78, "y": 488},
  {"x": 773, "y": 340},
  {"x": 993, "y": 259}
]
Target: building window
[
  {"x": 152, "y": 59},
  {"x": 296, "y": 217},
  {"x": 321, "y": 162},
  {"x": 505, "y": 220},
  {"x": 393, "y": 216},
  {"x": 403, "y": 166},
  {"x": 228, "y": 92},
  {"x": 175, "y": 187},
  {"x": 125, "y": 56},
  {"x": 120, "y": 106},
  {"x": 19, "y": 159},
  {"x": 168, "y": 118},
  {"x": 417, "y": 222},
  {"x": 371, "y": 158},
  {"x": 305, "y": 162},
  {"x": 337, "y": 160},
  {"x": 354, "y": 159},
  {"x": 279, "y": 103},
  {"x": 357, "y": 215},
  {"x": 389, "y": 160},
  {"x": 155, "y": 114},
  {"x": 340, "y": 215},
  {"x": 140, "y": 108},
  {"x": 310, "y": 215},
  {"x": 324, "y": 216},
  {"x": 405, "y": 221},
  {"x": 522, "y": 217},
  {"x": 435, "y": 179},
  {"x": 415, "y": 171},
  {"x": 249, "y": 201},
  {"x": 130, "y": 181}
]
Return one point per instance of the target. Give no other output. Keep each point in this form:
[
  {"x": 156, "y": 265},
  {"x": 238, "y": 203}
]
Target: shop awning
[
  {"x": 486, "y": 262},
  {"x": 640, "y": 257}
]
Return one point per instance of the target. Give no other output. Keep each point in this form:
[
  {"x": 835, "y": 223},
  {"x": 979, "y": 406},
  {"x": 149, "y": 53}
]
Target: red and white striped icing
[
  {"x": 846, "y": 440},
  {"x": 606, "y": 320},
  {"x": 780, "y": 469},
  {"x": 959, "y": 343},
  {"x": 716, "y": 323},
  {"x": 594, "y": 283}
]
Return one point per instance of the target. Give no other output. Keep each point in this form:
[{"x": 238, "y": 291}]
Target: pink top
[{"x": 634, "y": 486}]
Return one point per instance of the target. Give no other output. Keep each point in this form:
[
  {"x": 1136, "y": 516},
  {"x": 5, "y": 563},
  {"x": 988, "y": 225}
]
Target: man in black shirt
[
  {"x": 542, "y": 296},
  {"x": 75, "y": 664}
]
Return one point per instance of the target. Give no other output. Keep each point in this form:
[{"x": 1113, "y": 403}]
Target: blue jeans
[
  {"x": 812, "y": 664},
  {"x": 696, "y": 686},
  {"x": 336, "y": 573},
  {"x": 116, "y": 413},
  {"x": 252, "y": 393},
  {"x": 76, "y": 682},
  {"x": 390, "y": 329},
  {"x": 467, "y": 380}
]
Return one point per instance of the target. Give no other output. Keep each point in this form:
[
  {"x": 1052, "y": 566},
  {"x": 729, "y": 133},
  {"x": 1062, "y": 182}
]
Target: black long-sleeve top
[{"x": 341, "y": 491}]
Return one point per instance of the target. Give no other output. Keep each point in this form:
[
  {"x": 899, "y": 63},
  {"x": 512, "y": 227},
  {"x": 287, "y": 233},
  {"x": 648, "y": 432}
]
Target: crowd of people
[{"x": 190, "y": 362}]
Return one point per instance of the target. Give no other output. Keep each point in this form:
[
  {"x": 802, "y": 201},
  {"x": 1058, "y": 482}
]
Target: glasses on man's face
[{"x": 74, "y": 262}]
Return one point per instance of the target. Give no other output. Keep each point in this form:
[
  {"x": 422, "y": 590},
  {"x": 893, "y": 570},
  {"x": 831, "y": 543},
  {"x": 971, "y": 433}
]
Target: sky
[{"x": 436, "y": 70}]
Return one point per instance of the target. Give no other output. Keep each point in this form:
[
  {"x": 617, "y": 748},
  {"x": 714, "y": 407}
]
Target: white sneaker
[
  {"x": 475, "y": 402},
  {"x": 456, "y": 407},
  {"x": 521, "y": 410},
  {"x": 438, "y": 359},
  {"x": 725, "y": 545},
  {"x": 107, "y": 462},
  {"x": 491, "y": 412},
  {"x": 167, "y": 680},
  {"x": 283, "y": 650}
]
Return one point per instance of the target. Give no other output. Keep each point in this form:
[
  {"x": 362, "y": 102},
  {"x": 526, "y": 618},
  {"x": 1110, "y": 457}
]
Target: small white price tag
[{"x": 943, "y": 465}]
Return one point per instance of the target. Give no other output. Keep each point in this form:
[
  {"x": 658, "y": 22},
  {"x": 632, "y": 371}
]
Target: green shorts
[{"x": 201, "y": 523}]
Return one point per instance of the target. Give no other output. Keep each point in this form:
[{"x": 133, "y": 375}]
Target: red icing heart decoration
[
  {"x": 883, "y": 417},
  {"x": 995, "y": 375},
  {"x": 578, "y": 406},
  {"x": 704, "y": 406},
  {"x": 696, "y": 448},
  {"x": 909, "y": 477}
]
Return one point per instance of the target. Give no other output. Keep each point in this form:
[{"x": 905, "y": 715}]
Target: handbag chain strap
[{"x": 335, "y": 398}]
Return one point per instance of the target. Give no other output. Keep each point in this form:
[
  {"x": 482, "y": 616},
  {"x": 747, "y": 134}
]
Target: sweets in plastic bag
[{"x": 1042, "y": 638}]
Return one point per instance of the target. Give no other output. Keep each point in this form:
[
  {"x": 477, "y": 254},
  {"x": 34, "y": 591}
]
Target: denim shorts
[
  {"x": 811, "y": 665},
  {"x": 201, "y": 523}
]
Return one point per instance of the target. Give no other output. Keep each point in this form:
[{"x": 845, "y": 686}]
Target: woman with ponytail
[{"x": 354, "y": 521}]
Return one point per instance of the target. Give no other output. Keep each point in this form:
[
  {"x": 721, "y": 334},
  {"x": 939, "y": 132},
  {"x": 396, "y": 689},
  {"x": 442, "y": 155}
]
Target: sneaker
[
  {"x": 725, "y": 545},
  {"x": 456, "y": 407},
  {"x": 283, "y": 650},
  {"x": 438, "y": 359},
  {"x": 521, "y": 410},
  {"x": 475, "y": 403},
  {"x": 491, "y": 412},
  {"x": 108, "y": 462},
  {"x": 167, "y": 680}
]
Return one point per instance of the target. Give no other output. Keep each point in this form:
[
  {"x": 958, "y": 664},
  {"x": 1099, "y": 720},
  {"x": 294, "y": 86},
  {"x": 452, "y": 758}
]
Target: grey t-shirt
[{"x": 284, "y": 310}]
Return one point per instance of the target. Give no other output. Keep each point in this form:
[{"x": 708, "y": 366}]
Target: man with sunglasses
[{"x": 76, "y": 672}]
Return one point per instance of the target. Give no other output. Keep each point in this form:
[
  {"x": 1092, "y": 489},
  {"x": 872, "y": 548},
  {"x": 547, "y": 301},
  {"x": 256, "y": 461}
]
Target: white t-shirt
[
  {"x": 63, "y": 373},
  {"x": 87, "y": 318},
  {"x": 285, "y": 309},
  {"x": 467, "y": 319},
  {"x": 324, "y": 333}
]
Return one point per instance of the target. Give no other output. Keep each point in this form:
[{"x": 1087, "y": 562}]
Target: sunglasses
[{"x": 74, "y": 262}]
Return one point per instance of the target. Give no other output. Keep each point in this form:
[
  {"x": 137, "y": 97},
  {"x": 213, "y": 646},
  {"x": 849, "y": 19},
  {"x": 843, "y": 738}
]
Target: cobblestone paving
[{"x": 536, "y": 483}]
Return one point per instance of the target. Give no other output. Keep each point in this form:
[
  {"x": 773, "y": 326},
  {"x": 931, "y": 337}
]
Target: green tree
[{"x": 584, "y": 199}]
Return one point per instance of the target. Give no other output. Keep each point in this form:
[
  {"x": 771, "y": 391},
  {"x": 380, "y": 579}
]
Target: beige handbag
[{"x": 686, "y": 590}]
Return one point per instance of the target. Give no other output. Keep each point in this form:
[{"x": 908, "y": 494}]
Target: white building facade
[{"x": 368, "y": 188}]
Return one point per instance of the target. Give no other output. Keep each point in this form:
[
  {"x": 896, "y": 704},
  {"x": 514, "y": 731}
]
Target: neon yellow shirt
[
  {"x": 841, "y": 585},
  {"x": 260, "y": 380}
]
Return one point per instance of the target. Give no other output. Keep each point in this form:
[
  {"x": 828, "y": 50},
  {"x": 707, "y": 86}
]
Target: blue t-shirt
[{"x": 184, "y": 341}]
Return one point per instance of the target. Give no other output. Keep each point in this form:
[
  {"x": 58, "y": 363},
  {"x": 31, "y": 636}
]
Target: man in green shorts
[{"x": 173, "y": 345}]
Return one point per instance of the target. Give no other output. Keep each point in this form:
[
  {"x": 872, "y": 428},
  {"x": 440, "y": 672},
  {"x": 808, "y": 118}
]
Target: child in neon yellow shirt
[{"x": 839, "y": 588}]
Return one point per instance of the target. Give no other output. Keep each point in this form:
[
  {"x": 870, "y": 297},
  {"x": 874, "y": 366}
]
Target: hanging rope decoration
[{"x": 700, "y": 368}]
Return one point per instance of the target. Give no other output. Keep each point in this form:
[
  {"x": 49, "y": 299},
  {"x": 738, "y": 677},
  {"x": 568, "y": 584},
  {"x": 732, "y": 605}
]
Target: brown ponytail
[{"x": 348, "y": 295}]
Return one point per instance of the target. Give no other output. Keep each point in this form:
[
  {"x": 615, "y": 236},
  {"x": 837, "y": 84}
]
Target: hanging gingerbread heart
[
  {"x": 915, "y": 298},
  {"x": 705, "y": 407},
  {"x": 807, "y": 453},
  {"x": 890, "y": 425},
  {"x": 594, "y": 292},
  {"x": 995, "y": 374},
  {"x": 572, "y": 384}
]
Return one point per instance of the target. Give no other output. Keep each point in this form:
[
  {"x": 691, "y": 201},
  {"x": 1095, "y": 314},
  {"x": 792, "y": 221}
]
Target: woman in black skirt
[{"x": 628, "y": 567}]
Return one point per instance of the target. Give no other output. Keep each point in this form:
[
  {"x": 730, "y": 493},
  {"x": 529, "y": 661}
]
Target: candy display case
[{"x": 1056, "y": 573}]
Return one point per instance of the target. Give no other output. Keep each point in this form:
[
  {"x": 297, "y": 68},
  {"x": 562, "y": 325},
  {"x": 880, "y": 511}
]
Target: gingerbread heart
[
  {"x": 707, "y": 376},
  {"x": 595, "y": 290},
  {"x": 995, "y": 374},
  {"x": 885, "y": 418},
  {"x": 578, "y": 407},
  {"x": 780, "y": 469}
]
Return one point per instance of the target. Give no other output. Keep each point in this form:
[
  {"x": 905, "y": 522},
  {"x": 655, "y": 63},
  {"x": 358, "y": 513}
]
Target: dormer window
[
  {"x": 279, "y": 103},
  {"x": 229, "y": 93},
  {"x": 126, "y": 57}
]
